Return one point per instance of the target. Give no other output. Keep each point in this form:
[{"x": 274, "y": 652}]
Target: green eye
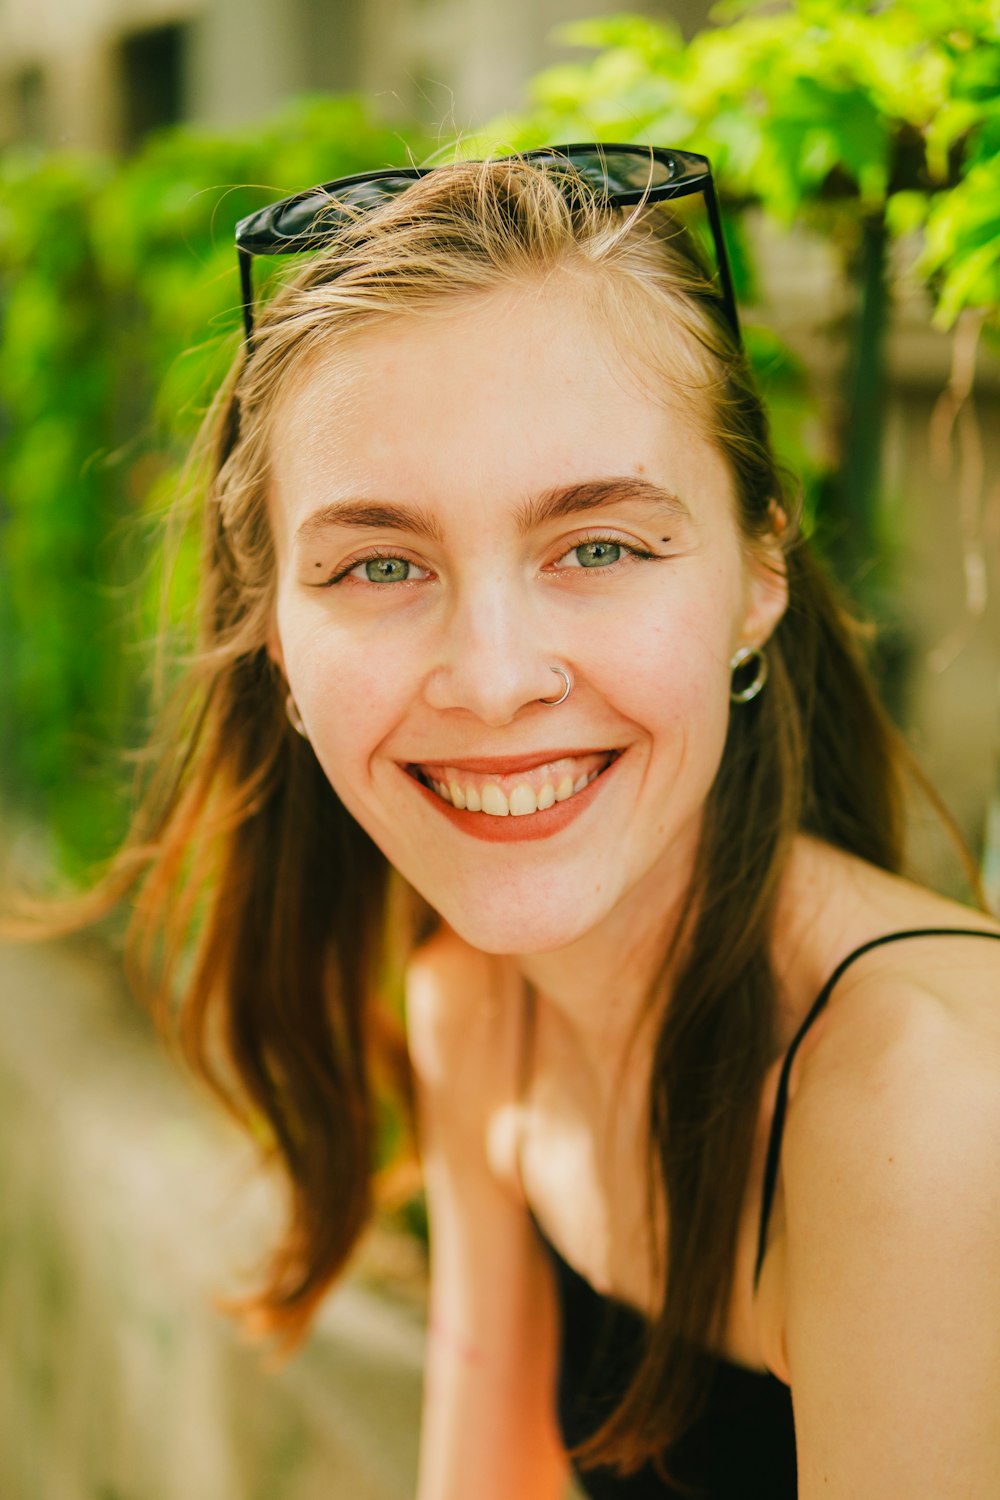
[
  {"x": 387, "y": 570},
  {"x": 598, "y": 554}
]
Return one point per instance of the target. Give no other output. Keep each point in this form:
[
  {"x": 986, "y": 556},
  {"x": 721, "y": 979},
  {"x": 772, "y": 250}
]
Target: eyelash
[
  {"x": 638, "y": 553},
  {"x": 357, "y": 562}
]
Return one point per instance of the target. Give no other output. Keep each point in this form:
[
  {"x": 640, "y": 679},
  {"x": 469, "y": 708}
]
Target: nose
[{"x": 495, "y": 656}]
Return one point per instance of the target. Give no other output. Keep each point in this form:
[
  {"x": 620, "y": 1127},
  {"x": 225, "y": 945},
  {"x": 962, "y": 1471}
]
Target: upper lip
[{"x": 498, "y": 765}]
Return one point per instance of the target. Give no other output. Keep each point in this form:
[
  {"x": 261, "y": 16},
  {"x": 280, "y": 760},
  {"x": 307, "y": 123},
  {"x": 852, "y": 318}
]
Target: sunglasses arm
[
  {"x": 725, "y": 273},
  {"x": 246, "y": 287}
]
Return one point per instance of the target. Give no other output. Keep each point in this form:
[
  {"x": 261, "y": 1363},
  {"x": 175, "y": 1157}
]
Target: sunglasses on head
[{"x": 620, "y": 175}]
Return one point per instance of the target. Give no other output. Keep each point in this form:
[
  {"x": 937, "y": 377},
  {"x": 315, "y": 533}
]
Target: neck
[{"x": 596, "y": 986}]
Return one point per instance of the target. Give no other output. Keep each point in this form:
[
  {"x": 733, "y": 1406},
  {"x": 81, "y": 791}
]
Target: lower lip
[{"x": 511, "y": 830}]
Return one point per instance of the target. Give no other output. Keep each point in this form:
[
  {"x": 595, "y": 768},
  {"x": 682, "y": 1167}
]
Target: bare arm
[
  {"x": 892, "y": 1183},
  {"x": 488, "y": 1424}
]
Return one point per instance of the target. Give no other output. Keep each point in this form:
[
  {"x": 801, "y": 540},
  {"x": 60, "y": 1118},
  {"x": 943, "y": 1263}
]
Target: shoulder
[
  {"x": 836, "y": 907},
  {"x": 909, "y": 1052},
  {"x": 908, "y": 1015},
  {"x": 891, "y": 1169}
]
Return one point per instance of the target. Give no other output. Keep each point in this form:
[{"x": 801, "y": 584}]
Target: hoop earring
[
  {"x": 742, "y": 656},
  {"x": 295, "y": 718},
  {"x": 555, "y": 702}
]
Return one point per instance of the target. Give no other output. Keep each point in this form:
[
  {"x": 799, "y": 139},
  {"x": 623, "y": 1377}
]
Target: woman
[{"x": 503, "y": 599}]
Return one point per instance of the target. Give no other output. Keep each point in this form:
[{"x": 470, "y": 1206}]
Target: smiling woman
[
  {"x": 505, "y": 605},
  {"x": 463, "y": 566}
]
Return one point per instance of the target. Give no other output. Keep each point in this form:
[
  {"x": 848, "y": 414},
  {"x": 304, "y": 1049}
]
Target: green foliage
[
  {"x": 118, "y": 313},
  {"x": 860, "y": 122},
  {"x": 821, "y": 112}
]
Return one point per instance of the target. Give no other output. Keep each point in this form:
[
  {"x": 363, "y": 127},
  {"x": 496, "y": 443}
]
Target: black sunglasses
[{"x": 621, "y": 175}]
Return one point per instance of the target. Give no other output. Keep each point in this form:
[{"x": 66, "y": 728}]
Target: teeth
[
  {"x": 522, "y": 800},
  {"x": 494, "y": 801},
  {"x": 518, "y": 801}
]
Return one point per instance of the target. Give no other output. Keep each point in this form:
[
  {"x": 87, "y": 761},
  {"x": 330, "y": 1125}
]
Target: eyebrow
[
  {"x": 377, "y": 515},
  {"x": 591, "y": 494},
  {"x": 552, "y": 504}
]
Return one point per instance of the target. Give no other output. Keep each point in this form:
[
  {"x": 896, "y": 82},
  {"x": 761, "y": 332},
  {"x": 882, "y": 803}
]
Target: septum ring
[{"x": 554, "y": 702}]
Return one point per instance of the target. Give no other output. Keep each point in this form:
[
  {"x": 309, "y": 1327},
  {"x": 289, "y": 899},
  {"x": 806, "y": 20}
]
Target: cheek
[
  {"x": 349, "y": 693},
  {"x": 674, "y": 669}
]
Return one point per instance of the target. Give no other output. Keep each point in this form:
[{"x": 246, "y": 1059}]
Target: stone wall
[{"x": 125, "y": 1203}]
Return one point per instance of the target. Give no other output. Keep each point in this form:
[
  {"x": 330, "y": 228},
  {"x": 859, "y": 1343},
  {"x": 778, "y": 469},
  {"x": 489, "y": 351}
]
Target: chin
[{"x": 517, "y": 930}]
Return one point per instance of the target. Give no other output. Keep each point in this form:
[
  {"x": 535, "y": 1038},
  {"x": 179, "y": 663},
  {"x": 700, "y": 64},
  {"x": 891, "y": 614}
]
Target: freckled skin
[{"x": 468, "y": 416}]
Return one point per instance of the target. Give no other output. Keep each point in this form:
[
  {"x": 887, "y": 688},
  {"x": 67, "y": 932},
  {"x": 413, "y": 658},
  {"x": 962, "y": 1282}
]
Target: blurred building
[{"x": 102, "y": 73}]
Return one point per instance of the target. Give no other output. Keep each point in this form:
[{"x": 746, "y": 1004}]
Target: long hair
[{"x": 260, "y": 904}]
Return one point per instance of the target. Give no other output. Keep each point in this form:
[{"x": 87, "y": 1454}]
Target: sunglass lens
[
  {"x": 297, "y": 219},
  {"x": 312, "y": 217},
  {"x": 627, "y": 171}
]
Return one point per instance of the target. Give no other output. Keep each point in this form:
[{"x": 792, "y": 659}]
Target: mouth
[{"x": 520, "y": 792}]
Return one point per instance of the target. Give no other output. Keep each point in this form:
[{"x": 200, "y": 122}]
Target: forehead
[{"x": 493, "y": 399}]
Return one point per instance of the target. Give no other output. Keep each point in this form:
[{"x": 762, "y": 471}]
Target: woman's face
[{"x": 461, "y": 503}]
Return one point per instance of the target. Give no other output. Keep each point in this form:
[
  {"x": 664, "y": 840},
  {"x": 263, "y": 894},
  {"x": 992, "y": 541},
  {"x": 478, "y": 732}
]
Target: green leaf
[{"x": 906, "y": 212}]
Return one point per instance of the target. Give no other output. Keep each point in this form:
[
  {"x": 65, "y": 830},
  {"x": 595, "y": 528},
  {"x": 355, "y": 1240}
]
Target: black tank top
[{"x": 743, "y": 1445}]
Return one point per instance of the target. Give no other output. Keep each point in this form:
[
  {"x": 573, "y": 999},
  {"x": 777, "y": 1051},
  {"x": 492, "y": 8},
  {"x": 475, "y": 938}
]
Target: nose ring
[{"x": 554, "y": 702}]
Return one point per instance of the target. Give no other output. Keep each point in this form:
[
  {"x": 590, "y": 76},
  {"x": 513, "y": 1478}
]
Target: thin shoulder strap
[{"x": 781, "y": 1098}]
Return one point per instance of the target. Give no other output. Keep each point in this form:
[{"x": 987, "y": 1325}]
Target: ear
[{"x": 766, "y": 592}]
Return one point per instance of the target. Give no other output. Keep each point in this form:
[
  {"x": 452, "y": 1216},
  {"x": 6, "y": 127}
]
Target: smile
[
  {"x": 523, "y": 802},
  {"x": 518, "y": 793}
]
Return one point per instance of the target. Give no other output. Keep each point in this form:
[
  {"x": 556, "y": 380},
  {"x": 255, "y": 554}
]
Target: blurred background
[{"x": 857, "y": 150}]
